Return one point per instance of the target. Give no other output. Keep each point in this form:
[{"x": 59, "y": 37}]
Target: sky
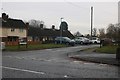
[{"x": 76, "y": 14}]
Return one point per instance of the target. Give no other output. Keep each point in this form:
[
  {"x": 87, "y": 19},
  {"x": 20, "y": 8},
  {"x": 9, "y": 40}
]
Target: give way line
[{"x": 30, "y": 71}]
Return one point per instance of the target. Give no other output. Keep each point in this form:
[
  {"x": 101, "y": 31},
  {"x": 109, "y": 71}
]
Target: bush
[{"x": 106, "y": 42}]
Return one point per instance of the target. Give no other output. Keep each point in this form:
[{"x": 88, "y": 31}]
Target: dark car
[{"x": 64, "y": 40}]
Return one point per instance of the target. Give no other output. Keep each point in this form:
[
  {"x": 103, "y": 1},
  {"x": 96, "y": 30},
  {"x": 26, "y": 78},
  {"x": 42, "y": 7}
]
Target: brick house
[
  {"x": 45, "y": 34},
  {"x": 12, "y": 30}
]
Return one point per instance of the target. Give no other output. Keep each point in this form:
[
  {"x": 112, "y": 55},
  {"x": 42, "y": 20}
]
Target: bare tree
[
  {"x": 36, "y": 23},
  {"x": 77, "y": 34},
  {"x": 118, "y": 41},
  {"x": 111, "y": 31},
  {"x": 102, "y": 33},
  {"x": 117, "y": 33},
  {"x": 94, "y": 31}
]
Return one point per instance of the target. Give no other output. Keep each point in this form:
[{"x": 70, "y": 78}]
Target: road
[{"x": 53, "y": 63}]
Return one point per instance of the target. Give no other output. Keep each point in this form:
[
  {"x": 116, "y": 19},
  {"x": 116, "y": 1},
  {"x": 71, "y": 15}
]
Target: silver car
[{"x": 82, "y": 40}]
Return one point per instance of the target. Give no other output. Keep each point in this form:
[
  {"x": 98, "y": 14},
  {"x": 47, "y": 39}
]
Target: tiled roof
[
  {"x": 32, "y": 31},
  {"x": 12, "y": 23}
]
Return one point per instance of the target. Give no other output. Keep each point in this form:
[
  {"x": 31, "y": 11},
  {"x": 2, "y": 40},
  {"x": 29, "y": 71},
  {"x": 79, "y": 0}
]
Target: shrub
[{"x": 106, "y": 42}]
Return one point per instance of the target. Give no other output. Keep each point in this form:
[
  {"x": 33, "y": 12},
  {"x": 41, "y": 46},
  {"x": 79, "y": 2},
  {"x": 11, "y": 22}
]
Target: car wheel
[
  {"x": 95, "y": 42},
  {"x": 81, "y": 43}
]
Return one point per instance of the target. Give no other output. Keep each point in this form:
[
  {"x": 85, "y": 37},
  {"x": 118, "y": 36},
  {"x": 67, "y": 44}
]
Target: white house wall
[{"x": 7, "y": 32}]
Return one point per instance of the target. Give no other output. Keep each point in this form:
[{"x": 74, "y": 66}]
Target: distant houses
[
  {"x": 15, "y": 29},
  {"x": 46, "y": 35}
]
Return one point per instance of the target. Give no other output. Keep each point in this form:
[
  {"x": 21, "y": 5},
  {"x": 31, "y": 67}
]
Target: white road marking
[
  {"x": 65, "y": 76},
  {"x": 36, "y": 72},
  {"x": 90, "y": 63},
  {"x": 103, "y": 64},
  {"x": 17, "y": 57},
  {"x": 77, "y": 61},
  {"x": 34, "y": 59}
]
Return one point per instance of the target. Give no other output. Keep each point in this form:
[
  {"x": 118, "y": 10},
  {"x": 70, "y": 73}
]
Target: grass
[
  {"x": 107, "y": 49},
  {"x": 34, "y": 47}
]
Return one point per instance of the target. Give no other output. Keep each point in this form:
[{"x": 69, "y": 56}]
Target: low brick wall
[{"x": 11, "y": 43}]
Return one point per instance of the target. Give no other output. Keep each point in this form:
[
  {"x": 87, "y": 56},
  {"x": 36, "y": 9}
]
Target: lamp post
[{"x": 61, "y": 30}]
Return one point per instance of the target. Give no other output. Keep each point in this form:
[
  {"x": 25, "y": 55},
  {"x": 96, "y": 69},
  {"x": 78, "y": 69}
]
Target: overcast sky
[{"x": 76, "y": 14}]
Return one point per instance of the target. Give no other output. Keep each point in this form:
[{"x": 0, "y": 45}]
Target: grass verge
[
  {"x": 34, "y": 47},
  {"x": 107, "y": 49}
]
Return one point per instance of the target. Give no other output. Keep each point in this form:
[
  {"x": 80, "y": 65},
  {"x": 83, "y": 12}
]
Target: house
[
  {"x": 45, "y": 34},
  {"x": 12, "y": 30}
]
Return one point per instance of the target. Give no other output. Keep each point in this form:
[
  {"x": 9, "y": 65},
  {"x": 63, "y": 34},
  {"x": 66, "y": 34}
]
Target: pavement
[{"x": 101, "y": 58}]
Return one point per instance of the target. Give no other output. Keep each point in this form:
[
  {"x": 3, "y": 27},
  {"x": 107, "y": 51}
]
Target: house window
[
  {"x": 12, "y": 29},
  {"x": 21, "y": 30}
]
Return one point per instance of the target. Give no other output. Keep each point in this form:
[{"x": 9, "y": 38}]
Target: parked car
[
  {"x": 22, "y": 42},
  {"x": 95, "y": 40},
  {"x": 82, "y": 40},
  {"x": 64, "y": 40}
]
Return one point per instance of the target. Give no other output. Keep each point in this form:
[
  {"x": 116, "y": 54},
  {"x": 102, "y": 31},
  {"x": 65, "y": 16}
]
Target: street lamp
[{"x": 61, "y": 30}]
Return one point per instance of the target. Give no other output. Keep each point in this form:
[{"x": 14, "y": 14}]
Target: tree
[
  {"x": 111, "y": 31},
  {"x": 64, "y": 25},
  {"x": 77, "y": 34},
  {"x": 88, "y": 36},
  {"x": 117, "y": 33},
  {"x": 118, "y": 41},
  {"x": 102, "y": 33},
  {"x": 36, "y": 23},
  {"x": 94, "y": 31}
]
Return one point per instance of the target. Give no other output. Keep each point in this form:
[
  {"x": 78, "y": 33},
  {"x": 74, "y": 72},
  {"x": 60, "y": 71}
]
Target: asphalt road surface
[{"x": 53, "y": 63}]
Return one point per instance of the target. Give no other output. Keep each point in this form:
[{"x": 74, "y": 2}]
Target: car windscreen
[{"x": 67, "y": 38}]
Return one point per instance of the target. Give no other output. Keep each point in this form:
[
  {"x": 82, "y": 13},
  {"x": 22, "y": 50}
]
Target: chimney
[
  {"x": 27, "y": 25},
  {"x": 41, "y": 26},
  {"x": 4, "y": 16},
  {"x": 53, "y": 26}
]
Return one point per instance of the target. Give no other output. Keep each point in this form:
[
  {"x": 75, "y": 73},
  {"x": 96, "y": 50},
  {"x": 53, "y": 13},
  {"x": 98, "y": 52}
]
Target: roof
[
  {"x": 37, "y": 32},
  {"x": 12, "y": 23}
]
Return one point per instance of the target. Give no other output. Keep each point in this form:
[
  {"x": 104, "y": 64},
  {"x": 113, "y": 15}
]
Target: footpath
[{"x": 90, "y": 56}]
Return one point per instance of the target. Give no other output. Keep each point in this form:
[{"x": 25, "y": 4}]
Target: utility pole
[
  {"x": 91, "y": 20},
  {"x": 61, "y": 30}
]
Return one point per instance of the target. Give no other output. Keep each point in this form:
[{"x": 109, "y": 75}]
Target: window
[
  {"x": 21, "y": 30},
  {"x": 12, "y": 29}
]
